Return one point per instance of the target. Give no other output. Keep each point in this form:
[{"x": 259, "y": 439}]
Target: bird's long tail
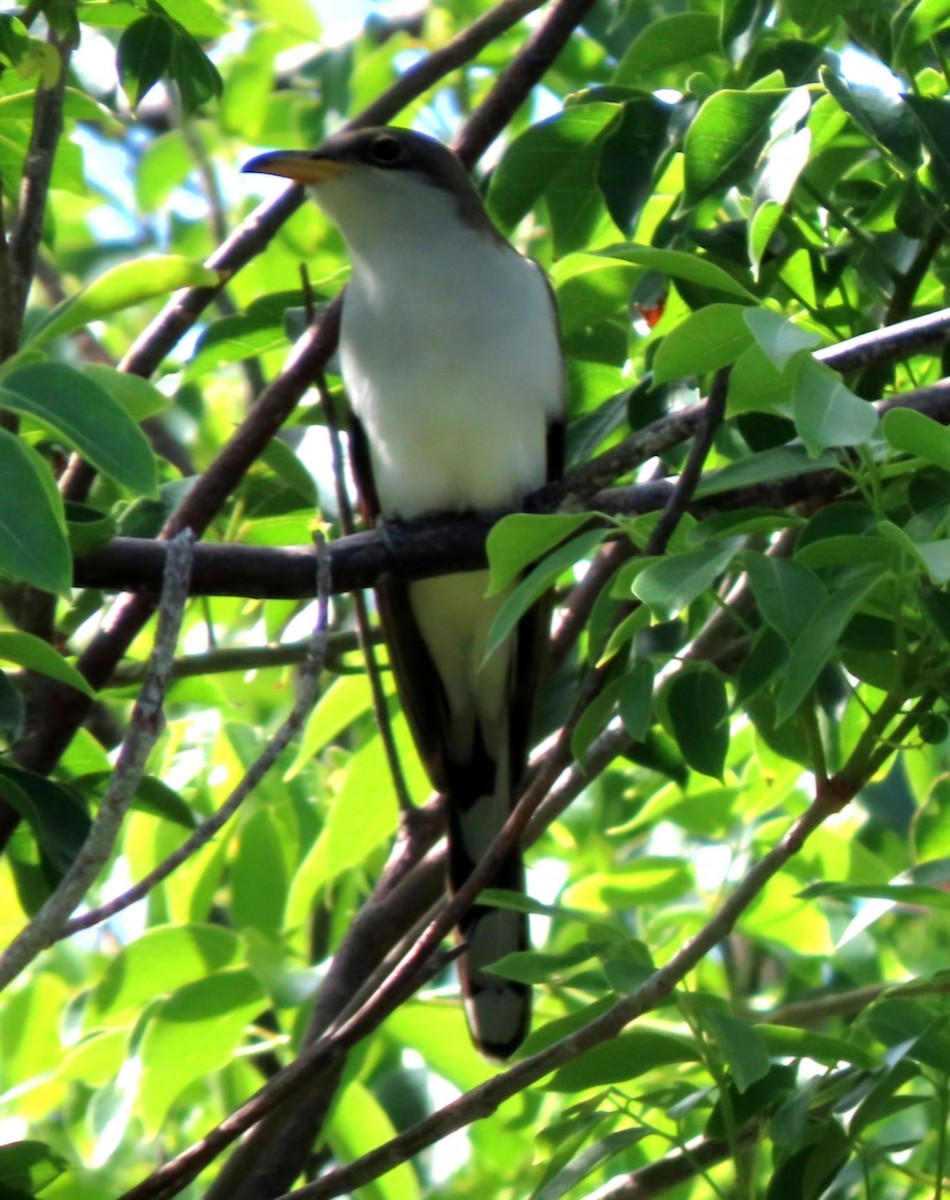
[
  {"x": 498, "y": 1009},
  {"x": 469, "y": 714}
]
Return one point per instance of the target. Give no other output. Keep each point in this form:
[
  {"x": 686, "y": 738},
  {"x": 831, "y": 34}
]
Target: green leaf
[
  {"x": 816, "y": 643},
  {"x": 352, "y": 830},
  {"x": 33, "y": 544},
  {"x": 34, "y": 654},
  {"x": 679, "y": 265},
  {"x": 666, "y": 42},
  {"x": 779, "y": 337},
  {"x": 587, "y": 1161},
  {"x": 885, "y": 118},
  {"x": 697, "y": 710},
  {"x": 781, "y": 462},
  {"x": 138, "y": 397},
  {"x": 826, "y": 413},
  {"x": 196, "y": 76},
  {"x": 593, "y": 720},
  {"x": 787, "y": 593},
  {"x": 346, "y": 699},
  {"x": 76, "y": 409},
  {"x": 58, "y": 819},
  {"x": 517, "y": 541},
  {"x": 537, "y": 582},
  {"x": 671, "y": 584},
  {"x": 756, "y": 385},
  {"x": 26, "y": 1168},
  {"x": 711, "y": 338},
  {"x": 544, "y": 154},
  {"x": 357, "y": 1124},
  {"x": 918, "y": 1023},
  {"x": 259, "y": 877},
  {"x": 725, "y": 138},
  {"x": 782, "y": 1041},
  {"x": 742, "y": 1047},
  {"x": 914, "y": 433},
  {"x": 623, "y": 1058},
  {"x": 629, "y": 154},
  {"x": 193, "y": 1033},
  {"x": 158, "y": 963},
  {"x": 937, "y": 557},
  {"x": 591, "y": 288},
  {"x": 151, "y": 796},
  {"x": 144, "y": 53},
  {"x": 122, "y": 287},
  {"x": 636, "y": 699}
]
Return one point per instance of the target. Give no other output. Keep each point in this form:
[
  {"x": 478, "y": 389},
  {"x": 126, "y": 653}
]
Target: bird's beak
[{"x": 303, "y": 166}]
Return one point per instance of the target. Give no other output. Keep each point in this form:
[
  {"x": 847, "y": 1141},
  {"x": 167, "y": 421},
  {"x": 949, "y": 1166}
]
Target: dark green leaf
[
  {"x": 546, "y": 151},
  {"x": 12, "y": 709},
  {"x": 623, "y": 1058},
  {"x": 26, "y": 1168},
  {"x": 76, "y": 409},
  {"x": 933, "y": 116},
  {"x": 671, "y": 584},
  {"x": 629, "y": 155},
  {"x": 787, "y": 593},
  {"x": 742, "y": 1047},
  {"x": 816, "y": 643},
  {"x": 59, "y": 821},
  {"x": 698, "y": 711},
  {"x": 636, "y": 699},
  {"x": 145, "y": 49},
  {"x": 33, "y": 543},
  {"x": 197, "y": 77},
  {"x": 883, "y": 117}
]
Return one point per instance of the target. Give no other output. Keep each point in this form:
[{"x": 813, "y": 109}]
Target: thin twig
[
  {"x": 146, "y": 724},
  {"x": 307, "y": 692},
  {"x": 712, "y": 414},
  {"x": 363, "y": 624}
]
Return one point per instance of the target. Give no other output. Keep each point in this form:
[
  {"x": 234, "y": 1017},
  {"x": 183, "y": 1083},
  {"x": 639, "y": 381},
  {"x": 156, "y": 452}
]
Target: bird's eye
[{"x": 386, "y": 150}]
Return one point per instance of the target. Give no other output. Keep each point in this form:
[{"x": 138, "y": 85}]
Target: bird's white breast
[{"x": 451, "y": 361}]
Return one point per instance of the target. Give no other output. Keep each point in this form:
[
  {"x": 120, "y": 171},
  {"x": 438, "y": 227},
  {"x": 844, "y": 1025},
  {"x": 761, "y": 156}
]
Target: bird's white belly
[{"x": 455, "y": 396}]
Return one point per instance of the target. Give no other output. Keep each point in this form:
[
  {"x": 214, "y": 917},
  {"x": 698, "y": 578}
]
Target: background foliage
[{"x": 739, "y": 816}]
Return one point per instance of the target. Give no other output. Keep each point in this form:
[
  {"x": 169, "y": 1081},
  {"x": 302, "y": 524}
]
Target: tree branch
[
  {"x": 50, "y": 922},
  {"x": 307, "y": 692}
]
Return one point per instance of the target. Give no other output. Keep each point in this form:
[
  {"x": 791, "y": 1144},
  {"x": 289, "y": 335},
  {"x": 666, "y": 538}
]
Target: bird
[{"x": 451, "y": 360}]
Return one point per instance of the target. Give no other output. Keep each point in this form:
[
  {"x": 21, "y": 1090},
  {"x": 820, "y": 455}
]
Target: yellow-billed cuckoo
[{"x": 450, "y": 357}]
